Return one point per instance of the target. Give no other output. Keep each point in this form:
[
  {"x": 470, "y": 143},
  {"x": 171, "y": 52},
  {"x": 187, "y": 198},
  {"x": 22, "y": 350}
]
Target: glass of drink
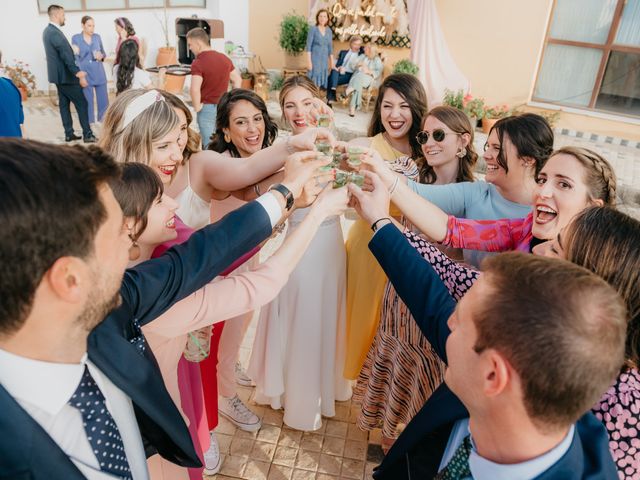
[
  {"x": 354, "y": 153},
  {"x": 324, "y": 120}
]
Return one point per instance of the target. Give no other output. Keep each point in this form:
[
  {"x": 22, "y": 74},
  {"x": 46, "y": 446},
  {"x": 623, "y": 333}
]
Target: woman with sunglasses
[
  {"x": 397, "y": 118},
  {"x": 516, "y": 150},
  {"x": 399, "y": 346}
]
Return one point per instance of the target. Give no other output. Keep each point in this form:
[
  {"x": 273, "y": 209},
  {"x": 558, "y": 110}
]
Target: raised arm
[{"x": 488, "y": 235}]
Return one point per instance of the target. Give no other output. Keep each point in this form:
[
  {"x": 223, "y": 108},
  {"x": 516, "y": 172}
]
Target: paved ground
[{"x": 339, "y": 449}]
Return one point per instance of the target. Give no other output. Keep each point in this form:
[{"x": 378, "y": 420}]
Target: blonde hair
[
  {"x": 134, "y": 142},
  {"x": 600, "y": 178}
]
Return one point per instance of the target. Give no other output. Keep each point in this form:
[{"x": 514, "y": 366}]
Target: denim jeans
[{"x": 207, "y": 122}]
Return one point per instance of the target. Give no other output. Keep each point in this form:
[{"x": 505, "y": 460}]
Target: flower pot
[
  {"x": 488, "y": 123},
  {"x": 166, "y": 56},
  {"x": 173, "y": 83},
  {"x": 247, "y": 83},
  {"x": 295, "y": 62}
]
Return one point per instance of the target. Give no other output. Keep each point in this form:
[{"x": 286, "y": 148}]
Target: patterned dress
[
  {"x": 321, "y": 48},
  {"x": 619, "y": 407}
]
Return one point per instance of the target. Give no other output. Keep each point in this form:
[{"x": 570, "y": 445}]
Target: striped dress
[{"x": 402, "y": 370}]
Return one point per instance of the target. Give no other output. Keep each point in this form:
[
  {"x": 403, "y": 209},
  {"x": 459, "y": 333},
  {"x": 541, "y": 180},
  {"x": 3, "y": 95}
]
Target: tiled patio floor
[{"x": 339, "y": 450}]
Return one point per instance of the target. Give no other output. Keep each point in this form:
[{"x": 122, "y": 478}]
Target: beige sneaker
[{"x": 238, "y": 413}]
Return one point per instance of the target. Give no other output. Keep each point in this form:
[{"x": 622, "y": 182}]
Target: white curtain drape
[{"x": 438, "y": 70}]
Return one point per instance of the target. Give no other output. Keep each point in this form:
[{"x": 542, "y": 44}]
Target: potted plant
[
  {"x": 293, "y": 38},
  {"x": 453, "y": 99},
  {"x": 167, "y": 54},
  {"x": 405, "y": 66},
  {"x": 492, "y": 115},
  {"x": 21, "y": 77},
  {"x": 247, "y": 80},
  {"x": 474, "y": 108}
]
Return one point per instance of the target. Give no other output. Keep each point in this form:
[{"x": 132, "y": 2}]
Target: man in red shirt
[{"x": 210, "y": 75}]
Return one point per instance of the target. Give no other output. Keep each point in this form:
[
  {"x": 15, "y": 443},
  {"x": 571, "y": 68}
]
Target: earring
[
  {"x": 461, "y": 153},
  {"x": 226, "y": 138},
  {"x": 134, "y": 250}
]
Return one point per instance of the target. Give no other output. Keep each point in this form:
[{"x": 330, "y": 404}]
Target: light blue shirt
[
  {"x": 474, "y": 200},
  {"x": 349, "y": 58},
  {"x": 483, "y": 469}
]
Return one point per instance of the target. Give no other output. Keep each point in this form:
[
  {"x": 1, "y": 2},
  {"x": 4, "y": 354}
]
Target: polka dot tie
[
  {"x": 102, "y": 431},
  {"x": 458, "y": 466}
]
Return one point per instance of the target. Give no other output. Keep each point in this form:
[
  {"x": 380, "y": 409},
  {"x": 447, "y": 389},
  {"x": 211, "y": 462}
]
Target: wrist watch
[{"x": 285, "y": 192}]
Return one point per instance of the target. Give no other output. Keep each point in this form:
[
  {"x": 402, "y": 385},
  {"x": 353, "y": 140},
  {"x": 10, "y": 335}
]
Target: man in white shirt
[
  {"x": 80, "y": 393},
  {"x": 343, "y": 71}
]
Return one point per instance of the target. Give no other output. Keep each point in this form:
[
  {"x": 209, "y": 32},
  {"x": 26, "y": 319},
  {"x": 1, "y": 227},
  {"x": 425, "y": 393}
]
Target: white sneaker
[
  {"x": 212, "y": 458},
  {"x": 241, "y": 376},
  {"x": 238, "y": 413}
]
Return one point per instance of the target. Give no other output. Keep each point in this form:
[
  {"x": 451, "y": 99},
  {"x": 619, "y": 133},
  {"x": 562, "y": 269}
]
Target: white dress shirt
[
  {"x": 43, "y": 389},
  {"x": 347, "y": 59},
  {"x": 483, "y": 469}
]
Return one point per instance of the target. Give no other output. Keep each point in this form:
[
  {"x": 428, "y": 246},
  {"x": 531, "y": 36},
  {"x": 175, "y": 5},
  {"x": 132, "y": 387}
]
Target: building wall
[{"x": 21, "y": 29}]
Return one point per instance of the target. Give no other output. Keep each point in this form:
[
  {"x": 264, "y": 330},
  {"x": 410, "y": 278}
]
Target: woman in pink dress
[{"x": 141, "y": 197}]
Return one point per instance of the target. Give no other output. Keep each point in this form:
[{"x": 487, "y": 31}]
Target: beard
[{"x": 103, "y": 299}]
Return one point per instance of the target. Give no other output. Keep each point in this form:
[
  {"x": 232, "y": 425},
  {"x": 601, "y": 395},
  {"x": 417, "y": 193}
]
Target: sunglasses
[{"x": 438, "y": 135}]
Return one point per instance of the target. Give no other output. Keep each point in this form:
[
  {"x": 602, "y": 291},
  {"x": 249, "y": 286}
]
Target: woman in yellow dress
[{"x": 397, "y": 118}]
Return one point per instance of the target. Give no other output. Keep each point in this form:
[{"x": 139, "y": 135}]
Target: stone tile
[
  {"x": 326, "y": 476},
  {"x": 307, "y": 460},
  {"x": 263, "y": 451},
  {"x": 256, "y": 470},
  {"x": 342, "y": 412},
  {"x": 356, "y": 450},
  {"x": 311, "y": 441},
  {"x": 240, "y": 447},
  {"x": 333, "y": 445},
  {"x": 303, "y": 475},
  {"x": 354, "y": 411},
  {"x": 355, "y": 433},
  {"x": 352, "y": 468},
  {"x": 233, "y": 466},
  {"x": 290, "y": 437},
  {"x": 374, "y": 453},
  {"x": 280, "y": 472},
  {"x": 244, "y": 393},
  {"x": 329, "y": 464},
  {"x": 336, "y": 428},
  {"x": 269, "y": 433},
  {"x": 368, "y": 470},
  {"x": 224, "y": 441},
  {"x": 272, "y": 417},
  {"x": 225, "y": 426},
  {"x": 246, "y": 435},
  {"x": 285, "y": 456}
]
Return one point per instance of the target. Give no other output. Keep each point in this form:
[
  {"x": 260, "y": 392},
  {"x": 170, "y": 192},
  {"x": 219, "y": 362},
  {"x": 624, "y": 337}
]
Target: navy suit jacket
[
  {"x": 418, "y": 451},
  {"x": 342, "y": 54},
  {"x": 148, "y": 290},
  {"x": 61, "y": 62}
]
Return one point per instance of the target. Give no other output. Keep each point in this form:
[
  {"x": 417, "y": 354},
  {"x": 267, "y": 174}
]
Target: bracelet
[
  {"x": 256, "y": 188},
  {"x": 290, "y": 149},
  {"x": 374, "y": 225},
  {"x": 393, "y": 187}
]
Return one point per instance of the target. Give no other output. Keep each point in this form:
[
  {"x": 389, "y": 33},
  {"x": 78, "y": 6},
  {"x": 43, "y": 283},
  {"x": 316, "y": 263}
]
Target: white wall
[{"x": 21, "y": 29}]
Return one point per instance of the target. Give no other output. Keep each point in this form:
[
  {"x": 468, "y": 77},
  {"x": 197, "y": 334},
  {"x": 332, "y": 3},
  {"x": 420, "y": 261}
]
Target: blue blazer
[
  {"x": 343, "y": 53},
  {"x": 418, "y": 451},
  {"x": 61, "y": 62},
  {"x": 148, "y": 290}
]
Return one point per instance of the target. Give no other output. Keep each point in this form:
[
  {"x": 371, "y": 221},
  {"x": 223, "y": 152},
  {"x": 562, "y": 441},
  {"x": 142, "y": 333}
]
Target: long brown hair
[
  {"x": 193, "y": 137},
  {"x": 409, "y": 88},
  {"x": 458, "y": 122},
  {"x": 297, "y": 81},
  {"x": 607, "y": 242}
]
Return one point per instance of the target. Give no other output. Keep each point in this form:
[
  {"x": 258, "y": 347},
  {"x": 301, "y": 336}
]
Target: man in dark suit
[
  {"x": 341, "y": 74},
  {"x": 70, "y": 323},
  {"x": 68, "y": 78},
  {"x": 530, "y": 348}
]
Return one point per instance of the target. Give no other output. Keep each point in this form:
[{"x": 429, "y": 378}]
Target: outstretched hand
[
  {"x": 306, "y": 140},
  {"x": 372, "y": 201},
  {"x": 300, "y": 167}
]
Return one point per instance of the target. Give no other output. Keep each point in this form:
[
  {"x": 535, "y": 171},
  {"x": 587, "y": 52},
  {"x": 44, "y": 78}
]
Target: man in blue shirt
[{"x": 11, "y": 114}]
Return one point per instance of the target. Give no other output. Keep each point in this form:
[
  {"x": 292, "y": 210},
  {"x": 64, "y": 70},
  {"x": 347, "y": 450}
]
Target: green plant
[
  {"x": 246, "y": 74},
  {"x": 276, "y": 83},
  {"x": 20, "y": 75},
  {"x": 293, "y": 33},
  {"x": 473, "y": 107},
  {"x": 405, "y": 66},
  {"x": 453, "y": 99},
  {"x": 496, "y": 112}
]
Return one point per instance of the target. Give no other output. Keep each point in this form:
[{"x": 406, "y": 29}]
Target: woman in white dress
[{"x": 298, "y": 352}]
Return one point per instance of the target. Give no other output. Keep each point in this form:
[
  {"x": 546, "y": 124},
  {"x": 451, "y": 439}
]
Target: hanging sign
[{"x": 339, "y": 12}]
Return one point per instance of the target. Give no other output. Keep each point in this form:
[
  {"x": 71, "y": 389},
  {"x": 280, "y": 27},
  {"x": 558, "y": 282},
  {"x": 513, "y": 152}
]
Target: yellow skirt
[{"x": 365, "y": 286}]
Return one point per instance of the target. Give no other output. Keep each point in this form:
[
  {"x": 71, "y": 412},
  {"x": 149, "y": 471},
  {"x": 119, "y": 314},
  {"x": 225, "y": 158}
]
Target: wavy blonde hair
[{"x": 134, "y": 143}]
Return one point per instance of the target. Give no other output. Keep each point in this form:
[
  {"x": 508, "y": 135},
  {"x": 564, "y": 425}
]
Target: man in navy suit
[
  {"x": 529, "y": 349},
  {"x": 341, "y": 74},
  {"x": 80, "y": 392},
  {"x": 68, "y": 78}
]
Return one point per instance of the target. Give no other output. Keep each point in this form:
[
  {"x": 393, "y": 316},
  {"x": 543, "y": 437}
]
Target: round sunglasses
[{"x": 438, "y": 135}]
